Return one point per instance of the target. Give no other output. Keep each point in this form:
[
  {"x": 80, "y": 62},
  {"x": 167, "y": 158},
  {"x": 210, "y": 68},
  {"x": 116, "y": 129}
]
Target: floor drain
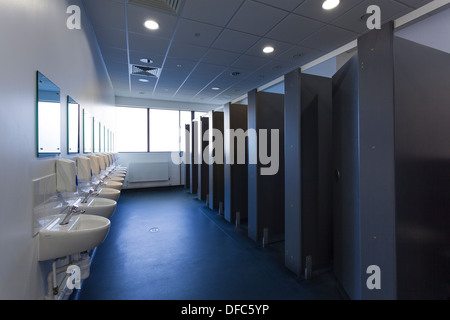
[{"x": 153, "y": 230}]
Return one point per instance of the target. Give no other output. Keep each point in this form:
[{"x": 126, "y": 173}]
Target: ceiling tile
[
  {"x": 288, "y": 5},
  {"x": 329, "y": 38},
  {"x": 215, "y": 12},
  {"x": 250, "y": 62},
  {"x": 106, "y": 13},
  {"x": 256, "y": 18},
  {"x": 414, "y": 3},
  {"x": 294, "y": 28},
  {"x": 313, "y": 9},
  {"x": 108, "y": 37},
  {"x": 196, "y": 33},
  {"x": 137, "y": 15},
  {"x": 299, "y": 56},
  {"x": 136, "y": 56},
  {"x": 220, "y": 57},
  {"x": 187, "y": 51},
  {"x": 257, "y": 49},
  {"x": 153, "y": 46},
  {"x": 235, "y": 41}
]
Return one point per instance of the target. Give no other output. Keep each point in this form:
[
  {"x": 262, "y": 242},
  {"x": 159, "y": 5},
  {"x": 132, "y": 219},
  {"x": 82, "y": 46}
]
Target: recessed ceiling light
[
  {"x": 151, "y": 24},
  {"x": 145, "y": 60},
  {"x": 330, "y": 4},
  {"x": 268, "y": 49},
  {"x": 143, "y": 80}
]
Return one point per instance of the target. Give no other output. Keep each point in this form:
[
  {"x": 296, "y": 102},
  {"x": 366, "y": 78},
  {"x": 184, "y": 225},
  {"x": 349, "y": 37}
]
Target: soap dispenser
[
  {"x": 66, "y": 176},
  {"x": 84, "y": 169}
]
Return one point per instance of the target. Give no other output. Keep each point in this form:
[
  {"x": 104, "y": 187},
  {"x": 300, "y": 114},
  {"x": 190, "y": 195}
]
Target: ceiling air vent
[
  {"x": 171, "y": 6},
  {"x": 145, "y": 71}
]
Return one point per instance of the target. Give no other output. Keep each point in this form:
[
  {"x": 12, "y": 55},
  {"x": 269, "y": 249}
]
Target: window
[
  {"x": 132, "y": 133},
  {"x": 164, "y": 130}
]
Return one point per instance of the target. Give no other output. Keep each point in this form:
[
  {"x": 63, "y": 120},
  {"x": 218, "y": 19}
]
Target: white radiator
[{"x": 148, "y": 171}]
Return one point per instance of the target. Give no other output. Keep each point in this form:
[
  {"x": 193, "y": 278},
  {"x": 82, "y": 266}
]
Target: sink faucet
[
  {"x": 72, "y": 210},
  {"x": 87, "y": 195}
]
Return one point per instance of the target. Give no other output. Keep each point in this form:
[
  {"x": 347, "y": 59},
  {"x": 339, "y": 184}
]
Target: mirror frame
[
  {"x": 38, "y": 152},
  {"x": 91, "y": 123},
  {"x": 69, "y": 101}
]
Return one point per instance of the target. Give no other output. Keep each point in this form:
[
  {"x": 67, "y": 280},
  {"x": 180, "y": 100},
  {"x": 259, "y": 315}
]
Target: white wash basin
[
  {"x": 112, "y": 184},
  {"x": 115, "y": 178},
  {"x": 98, "y": 207},
  {"x": 83, "y": 232},
  {"x": 108, "y": 193}
]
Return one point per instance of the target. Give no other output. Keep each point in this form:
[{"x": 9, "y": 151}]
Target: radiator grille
[{"x": 148, "y": 171}]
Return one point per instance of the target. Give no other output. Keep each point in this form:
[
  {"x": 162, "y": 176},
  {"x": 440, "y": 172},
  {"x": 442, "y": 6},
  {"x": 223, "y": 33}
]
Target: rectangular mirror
[
  {"x": 88, "y": 125},
  {"x": 102, "y": 137},
  {"x": 73, "y": 126},
  {"x": 96, "y": 135},
  {"x": 48, "y": 108}
]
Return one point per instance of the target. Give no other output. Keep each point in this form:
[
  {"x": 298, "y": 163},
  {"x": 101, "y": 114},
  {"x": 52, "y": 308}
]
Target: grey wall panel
[
  {"x": 266, "y": 192},
  {"x": 308, "y": 167},
  {"x": 377, "y": 174},
  {"x": 216, "y": 159},
  {"x": 236, "y": 174},
  {"x": 292, "y": 123},
  {"x": 346, "y": 238},
  {"x": 194, "y": 155},
  {"x": 422, "y": 150},
  {"x": 187, "y": 157},
  {"x": 203, "y": 167},
  {"x": 316, "y": 168}
]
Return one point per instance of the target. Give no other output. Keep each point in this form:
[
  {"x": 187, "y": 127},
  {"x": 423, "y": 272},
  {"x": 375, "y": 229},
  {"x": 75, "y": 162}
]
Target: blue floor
[{"x": 193, "y": 255}]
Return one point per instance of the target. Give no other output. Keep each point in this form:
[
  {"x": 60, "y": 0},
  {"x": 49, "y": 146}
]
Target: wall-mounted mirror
[
  {"x": 88, "y": 125},
  {"x": 73, "y": 126},
  {"x": 96, "y": 135},
  {"x": 48, "y": 108},
  {"x": 102, "y": 138}
]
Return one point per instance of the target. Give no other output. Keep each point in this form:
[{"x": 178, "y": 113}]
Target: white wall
[{"x": 34, "y": 36}]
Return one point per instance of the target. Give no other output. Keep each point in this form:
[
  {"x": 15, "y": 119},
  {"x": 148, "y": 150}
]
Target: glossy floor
[{"x": 166, "y": 245}]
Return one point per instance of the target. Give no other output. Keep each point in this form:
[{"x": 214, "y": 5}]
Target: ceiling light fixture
[
  {"x": 330, "y": 4},
  {"x": 143, "y": 80},
  {"x": 215, "y": 88},
  {"x": 151, "y": 24},
  {"x": 268, "y": 49},
  {"x": 145, "y": 60}
]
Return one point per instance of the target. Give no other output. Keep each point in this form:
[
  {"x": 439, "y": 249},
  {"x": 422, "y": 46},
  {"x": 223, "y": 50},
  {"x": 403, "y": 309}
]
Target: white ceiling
[{"x": 208, "y": 40}]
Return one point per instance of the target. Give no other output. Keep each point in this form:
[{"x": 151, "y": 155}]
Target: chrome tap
[
  {"x": 87, "y": 195},
  {"x": 72, "y": 210}
]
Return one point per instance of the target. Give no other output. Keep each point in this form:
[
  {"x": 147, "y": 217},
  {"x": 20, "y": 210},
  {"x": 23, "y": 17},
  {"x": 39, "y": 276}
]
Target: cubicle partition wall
[
  {"x": 187, "y": 156},
  {"x": 216, "y": 158},
  {"x": 308, "y": 173},
  {"x": 235, "y": 169},
  {"x": 265, "y": 189},
  {"x": 202, "y": 149},
  {"x": 364, "y": 186},
  {"x": 194, "y": 155},
  {"x": 422, "y": 171},
  {"x": 391, "y": 160}
]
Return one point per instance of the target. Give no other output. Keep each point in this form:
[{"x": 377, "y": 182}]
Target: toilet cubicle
[
  {"x": 203, "y": 167},
  {"x": 193, "y": 174},
  {"x": 216, "y": 159},
  {"x": 265, "y": 188},
  {"x": 187, "y": 156},
  {"x": 390, "y": 161},
  {"x": 308, "y": 141},
  {"x": 235, "y": 168}
]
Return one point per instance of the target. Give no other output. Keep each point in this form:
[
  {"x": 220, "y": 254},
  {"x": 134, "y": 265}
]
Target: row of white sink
[{"x": 89, "y": 224}]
